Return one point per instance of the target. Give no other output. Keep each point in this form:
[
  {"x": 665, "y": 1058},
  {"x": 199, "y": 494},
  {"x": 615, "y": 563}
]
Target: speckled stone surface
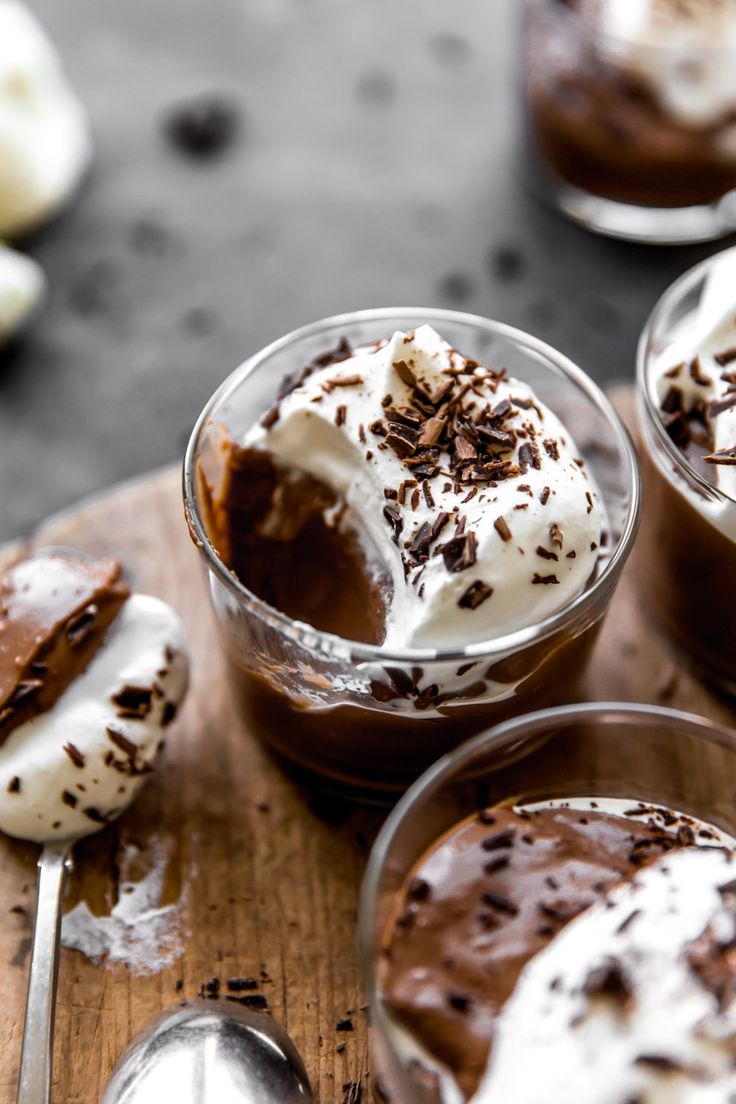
[{"x": 375, "y": 165}]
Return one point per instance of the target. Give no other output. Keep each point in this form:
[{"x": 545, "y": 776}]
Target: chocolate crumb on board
[
  {"x": 344, "y": 1025},
  {"x": 256, "y": 1001},
  {"x": 14, "y": 785},
  {"x": 240, "y": 984}
]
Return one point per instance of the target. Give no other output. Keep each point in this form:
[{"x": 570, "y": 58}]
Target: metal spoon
[
  {"x": 210, "y": 1052},
  {"x": 34, "y": 1084}
]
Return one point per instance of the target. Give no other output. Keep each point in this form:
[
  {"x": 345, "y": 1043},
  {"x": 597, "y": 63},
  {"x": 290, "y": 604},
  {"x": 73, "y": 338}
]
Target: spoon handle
[{"x": 34, "y": 1085}]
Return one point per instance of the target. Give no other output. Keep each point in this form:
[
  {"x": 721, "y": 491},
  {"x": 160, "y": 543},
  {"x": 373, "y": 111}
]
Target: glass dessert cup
[
  {"x": 362, "y": 718},
  {"x": 687, "y": 543},
  {"x": 638, "y": 753},
  {"x": 604, "y": 149}
]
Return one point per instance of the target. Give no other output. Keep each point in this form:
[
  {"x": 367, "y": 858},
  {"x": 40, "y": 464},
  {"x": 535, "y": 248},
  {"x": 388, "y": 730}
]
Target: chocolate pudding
[
  {"x": 635, "y": 100},
  {"x": 496, "y": 893},
  {"x": 690, "y": 478},
  {"x": 403, "y": 496}
]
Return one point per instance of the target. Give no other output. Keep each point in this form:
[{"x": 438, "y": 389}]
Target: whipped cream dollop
[
  {"x": 632, "y": 1000},
  {"x": 22, "y": 287},
  {"x": 697, "y": 370},
  {"x": 70, "y": 769},
  {"x": 462, "y": 487},
  {"x": 683, "y": 49},
  {"x": 45, "y": 144}
]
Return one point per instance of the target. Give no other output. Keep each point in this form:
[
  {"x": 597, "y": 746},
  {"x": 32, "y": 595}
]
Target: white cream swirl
[{"x": 534, "y": 530}]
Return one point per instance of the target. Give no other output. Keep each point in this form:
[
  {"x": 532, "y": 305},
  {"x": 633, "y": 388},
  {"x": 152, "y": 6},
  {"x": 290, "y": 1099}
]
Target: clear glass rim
[
  {"x": 329, "y": 643},
  {"x": 648, "y": 404},
  {"x": 493, "y": 739},
  {"x": 584, "y": 20}
]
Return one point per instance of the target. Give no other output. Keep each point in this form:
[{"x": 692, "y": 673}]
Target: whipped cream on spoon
[{"x": 90, "y": 677}]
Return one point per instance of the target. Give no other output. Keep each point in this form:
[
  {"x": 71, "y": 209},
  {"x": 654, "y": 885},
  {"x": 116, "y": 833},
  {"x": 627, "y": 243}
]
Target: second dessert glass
[
  {"x": 688, "y": 537},
  {"x": 365, "y": 719},
  {"x": 638, "y": 753},
  {"x": 621, "y": 137}
]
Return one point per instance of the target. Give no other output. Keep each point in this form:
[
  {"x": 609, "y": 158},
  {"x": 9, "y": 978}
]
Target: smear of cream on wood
[{"x": 140, "y": 931}]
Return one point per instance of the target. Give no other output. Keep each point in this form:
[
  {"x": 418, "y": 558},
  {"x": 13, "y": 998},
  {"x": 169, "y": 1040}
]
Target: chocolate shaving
[
  {"x": 725, "y": 357},
  {"x": 395, "y": 520},
  {"x": 544, "y": 495},
  {"x": 14, "y": 785},
  {"x": 545, "y": 553},
  {"x": 346, "y": 381},
  {"x": 551, "y": 448},
  {"x": 69, "y": 799},
  {"x": 271, "y": 416},
  {"x": 404, "y": 372},
  {"x": 431, "y": 432},
  {"x": 341, "y": 414},
  {"x": 464, "y": 450},
  {"x": 94, "y": 814},
  {"x": 720, "y": 406},
  {"x": 122, "y": 741},
  {"x": 475, "y": 595},
  {"x": 133, "y": 701},
  {"x": 608, "y": 980},
  {"x": 76, "y": 756},
  {"x": 722, "y": 456},
  {"x": 168, "y": 714},
  {"x": 555, "y": 535},
  {"x": 419, "y": 546},
  {"x": 695, "y": 368},
  {"x": 502, "y": 529},
  {"x": 544, "y": 580},
  {"x": 402, "y": 440},
  {"x": 460, "y": 552},
  {"x": 500, "y": 902},
  {"x": 80, "y": 627},
  {"x": 500, "y": 840},
  {"x": 25, "y": 689}
]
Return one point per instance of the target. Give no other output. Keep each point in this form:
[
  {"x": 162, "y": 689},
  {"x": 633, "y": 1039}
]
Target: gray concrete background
[{"x": 376, "y": 165}]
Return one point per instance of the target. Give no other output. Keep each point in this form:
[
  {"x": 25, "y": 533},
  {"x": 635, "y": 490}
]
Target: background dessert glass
[
  {"x": 603, "y": 146},
  {"x": 635, "y": 752},
  {"x": 361, "y": 716},
  {"x": 688, "y": 538}
]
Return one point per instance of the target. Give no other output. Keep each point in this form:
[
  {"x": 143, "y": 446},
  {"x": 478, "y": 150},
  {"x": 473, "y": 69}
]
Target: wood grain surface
[{"x": 266, "y": 875}]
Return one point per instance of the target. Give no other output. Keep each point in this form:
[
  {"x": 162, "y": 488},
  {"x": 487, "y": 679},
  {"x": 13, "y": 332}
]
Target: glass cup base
[{"x": 635, "y": 223}]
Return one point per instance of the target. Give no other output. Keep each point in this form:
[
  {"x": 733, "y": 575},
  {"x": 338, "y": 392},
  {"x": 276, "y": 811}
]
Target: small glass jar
[
  {"x": 608, "y": 750},
  {"x": 688, "y": 534},
  {"x": 622, "y": 136},
  {"x": 366, "y": 719}
]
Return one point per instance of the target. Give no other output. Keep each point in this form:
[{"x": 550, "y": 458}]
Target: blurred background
[{"x": 354, "y": 155}]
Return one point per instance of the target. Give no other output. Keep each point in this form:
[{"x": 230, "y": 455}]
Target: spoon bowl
[{"x": 210, "y": 1052}]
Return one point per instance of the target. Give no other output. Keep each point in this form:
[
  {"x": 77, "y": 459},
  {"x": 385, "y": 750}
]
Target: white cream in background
[
  {"x": 22, "y": 287},
  {"x": 709, "y": 330},
  {"x": 306, "y": 438},
  {"x": 45, "y": 145},
  {"x": 684, "y": 49},
  {"x": 134, "y": 652},
  {"x": 555, "y": 1044}
]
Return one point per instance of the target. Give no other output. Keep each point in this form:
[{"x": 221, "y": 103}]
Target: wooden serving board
[{"x": 266, "y": 875}]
